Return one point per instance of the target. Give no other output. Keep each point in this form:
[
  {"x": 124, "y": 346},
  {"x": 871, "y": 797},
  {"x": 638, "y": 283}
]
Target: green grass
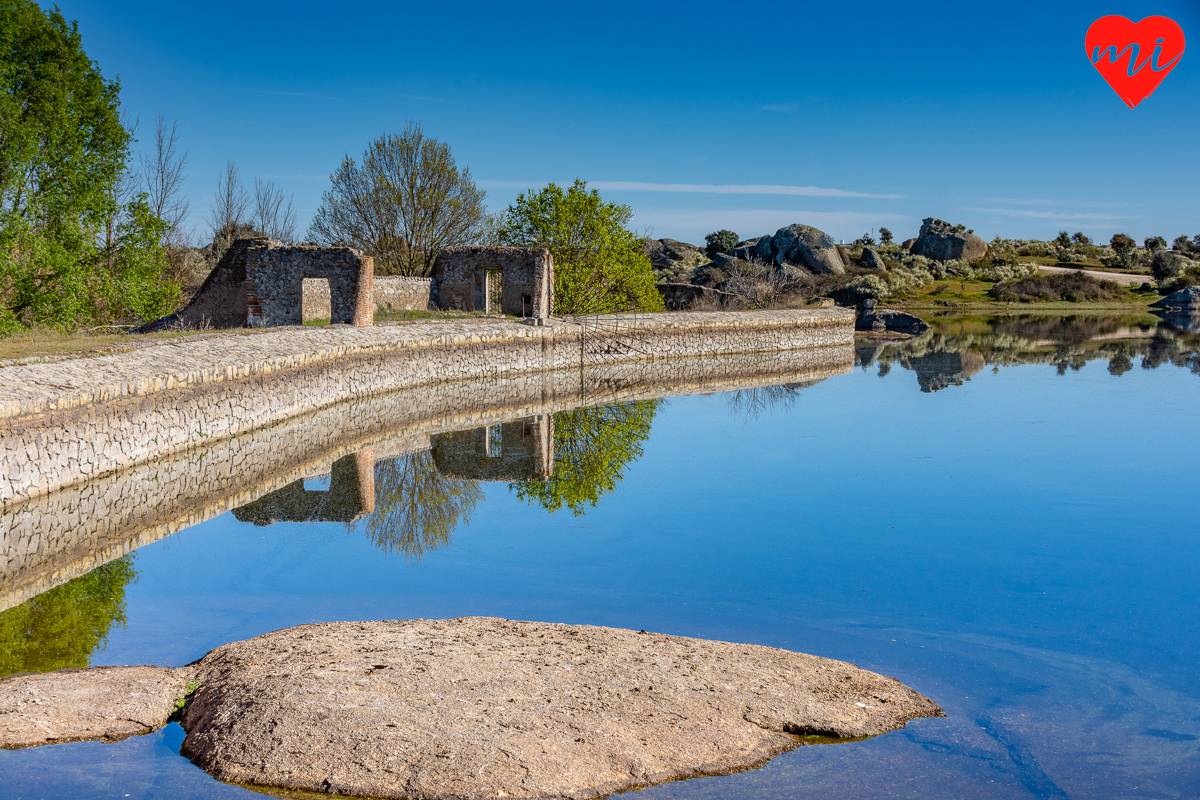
[{"x": 951, "y": 295}]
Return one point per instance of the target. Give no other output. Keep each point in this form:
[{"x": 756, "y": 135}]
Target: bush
[
  {"x": 721, "y": 241},
  {"x": 1076, "y": 287},
  {"x": 1166, "y": 266}
]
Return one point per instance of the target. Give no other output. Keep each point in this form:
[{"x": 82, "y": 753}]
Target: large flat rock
[
  {"x": 484, "y": 707},
  {"x": 108, "y": 703}
]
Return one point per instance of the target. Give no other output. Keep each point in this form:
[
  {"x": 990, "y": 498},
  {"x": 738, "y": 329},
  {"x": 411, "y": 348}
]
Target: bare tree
[
  {"x": 229, "y": 210},
  {"x": 404, "y": 203},
  {"x": 271, "y": 215},
  {"x": 162, "y": 179}
]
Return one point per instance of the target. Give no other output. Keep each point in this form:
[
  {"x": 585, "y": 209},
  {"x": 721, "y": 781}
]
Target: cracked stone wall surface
[
  {"x": 275, "y": 276},
  {"x": 69, "y": 421},
  {"x": 53, "y": 538}
]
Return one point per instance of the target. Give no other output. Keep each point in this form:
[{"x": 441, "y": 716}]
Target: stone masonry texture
[
  {"x": 527, "y": 279},
  {"x": 69, "y": 421}
]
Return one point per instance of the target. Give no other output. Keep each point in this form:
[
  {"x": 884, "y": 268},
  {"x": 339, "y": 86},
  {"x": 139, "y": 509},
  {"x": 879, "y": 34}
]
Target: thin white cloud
[
  {"x": 1020, "y": 212},
  {"x": 301, "y": 94},
  {"x": 702, "y": 188},
  {"x": 1039, "y": 202}
]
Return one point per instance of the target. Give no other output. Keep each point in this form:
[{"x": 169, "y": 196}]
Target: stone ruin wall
[
  {"x": 52, "y": 538},
  {"x": 275, "y": 283},
  {"x": 391, "y": 293},
  {"x": 527, "y": 283}
]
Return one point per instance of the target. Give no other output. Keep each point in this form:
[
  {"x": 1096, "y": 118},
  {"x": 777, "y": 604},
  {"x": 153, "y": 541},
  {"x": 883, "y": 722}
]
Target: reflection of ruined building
[
  {"x": 466, "y": 278},
  {"x": 521, "y": 450},
  {"x": 350, "y": 495},
  {"x": 260, "y": 282},
  {"x": 939, "y": 369}
]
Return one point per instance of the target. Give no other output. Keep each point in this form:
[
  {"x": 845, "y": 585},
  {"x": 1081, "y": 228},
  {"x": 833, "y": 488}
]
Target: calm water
[{"x": 1003, "y": 516}]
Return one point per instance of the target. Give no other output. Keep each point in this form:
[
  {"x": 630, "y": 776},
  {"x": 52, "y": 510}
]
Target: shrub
[
  {"x": 1166, "y": 265},
  {"x": 871, "y": 286},
  {"x": 1076, "y": 287},
  {"x": 721, "y": 241}
]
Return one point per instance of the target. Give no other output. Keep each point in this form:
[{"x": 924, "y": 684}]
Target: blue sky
[{"x": 985, "y": 114}]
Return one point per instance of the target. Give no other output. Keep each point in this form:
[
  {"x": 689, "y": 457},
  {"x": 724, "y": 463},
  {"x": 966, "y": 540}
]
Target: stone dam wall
[
  {"x": 69, "y": 421},
  {"x": 50, "y": 539}
]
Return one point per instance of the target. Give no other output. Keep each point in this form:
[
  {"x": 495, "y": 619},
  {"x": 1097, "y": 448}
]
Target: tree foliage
[
  {"x": 64, "y": 626},
  {"x": 592, "y": 448},
  {"x": 721, "y": 241},
  {"x": 599, "y": 264},
  {"x": 405, "y": 202},
  {"x": 416, "y": 507},
  {"x": 64, "y": 224}
]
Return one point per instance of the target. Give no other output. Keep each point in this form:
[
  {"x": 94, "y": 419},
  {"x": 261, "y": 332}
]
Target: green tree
[
  {"x": 1155, "y": 243},
  {"x": 599, "y": 265},
  {"x": 592, "y": 448},
  {"x": 64, "y": 626},
  {"x": 885, "y": 236},
  {"x": 721, "y": 241},
  {"x": 405, "y": 202},
  {"x": 63, "y": 150},
  {"x": 1124, "y": 251},
  {"x": 416, "y": 507}
]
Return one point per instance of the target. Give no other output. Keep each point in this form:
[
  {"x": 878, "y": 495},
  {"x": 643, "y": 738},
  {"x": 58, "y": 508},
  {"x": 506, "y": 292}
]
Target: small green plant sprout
[{"x": 188, "y": 690}]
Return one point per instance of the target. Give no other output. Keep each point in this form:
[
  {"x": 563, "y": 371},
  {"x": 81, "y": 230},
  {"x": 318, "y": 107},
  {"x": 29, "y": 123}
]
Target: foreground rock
[
  {"x": 885, "y": 320},
  {"x": 941, "y": 241},
  {"x": 870, "y": 259},
  {"x": 108, "y": 703},
  {"x": 795, "y": 245},
  {"x": 482, "y": 707}
]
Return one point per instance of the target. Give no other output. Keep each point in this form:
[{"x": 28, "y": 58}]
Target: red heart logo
[{"x": 1134, "y": 57}]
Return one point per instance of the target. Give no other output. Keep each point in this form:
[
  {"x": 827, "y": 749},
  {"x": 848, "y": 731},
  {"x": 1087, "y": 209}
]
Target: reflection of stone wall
[
  {"x": 68, "y": 421},
  {"x": 52, "y": 538},
  {"x": 521, "y": 450},
  {"x": 350, "y": 495}
]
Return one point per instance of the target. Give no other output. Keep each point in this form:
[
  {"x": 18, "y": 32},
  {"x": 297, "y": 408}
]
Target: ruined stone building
[{"x": 517, "y": 281}]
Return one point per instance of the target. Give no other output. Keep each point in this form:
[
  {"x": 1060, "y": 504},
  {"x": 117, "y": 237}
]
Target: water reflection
[
  {"x": 63, "y": 627},
  {"x": 955, "y": 350}
]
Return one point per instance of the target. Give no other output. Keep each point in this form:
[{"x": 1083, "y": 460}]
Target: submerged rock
[
  {"x": 483, "y": 707},
  {"x": 941, "y": 241},
  {"x": 108, "y": 703}
]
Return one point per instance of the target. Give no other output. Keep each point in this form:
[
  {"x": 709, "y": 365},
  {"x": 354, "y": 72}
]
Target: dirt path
[{"x": 1122, "y": 278}]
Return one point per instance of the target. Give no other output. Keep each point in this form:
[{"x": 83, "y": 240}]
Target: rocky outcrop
[
  {"x": 665, "y": 252},
  {"x": 844, "y": 254},
  {"x": 870, "y": 259},
  {"x": 795, "y": 245},
  {"x": 484, "y": 707},
  {"x": 886, "y": 320},
  {"x": 907, "y": 245},
  {"x": 1184, "y": 300},
  {"x": 106, "y": 703},
  {"x": 941, "y": 241}
]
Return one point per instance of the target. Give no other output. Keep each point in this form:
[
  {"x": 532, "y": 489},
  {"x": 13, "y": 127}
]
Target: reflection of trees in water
[
  {"x": 64, "y": 626},
  {"x": 416, "y": 507},
  {"x": 753, "y": 403},
  {"x": 592, "y": 447},
  {"x": 1066, "y": 343}
]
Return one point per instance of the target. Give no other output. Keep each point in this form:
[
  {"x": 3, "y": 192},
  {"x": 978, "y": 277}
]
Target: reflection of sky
[{"x": 1022, "y": 548}]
